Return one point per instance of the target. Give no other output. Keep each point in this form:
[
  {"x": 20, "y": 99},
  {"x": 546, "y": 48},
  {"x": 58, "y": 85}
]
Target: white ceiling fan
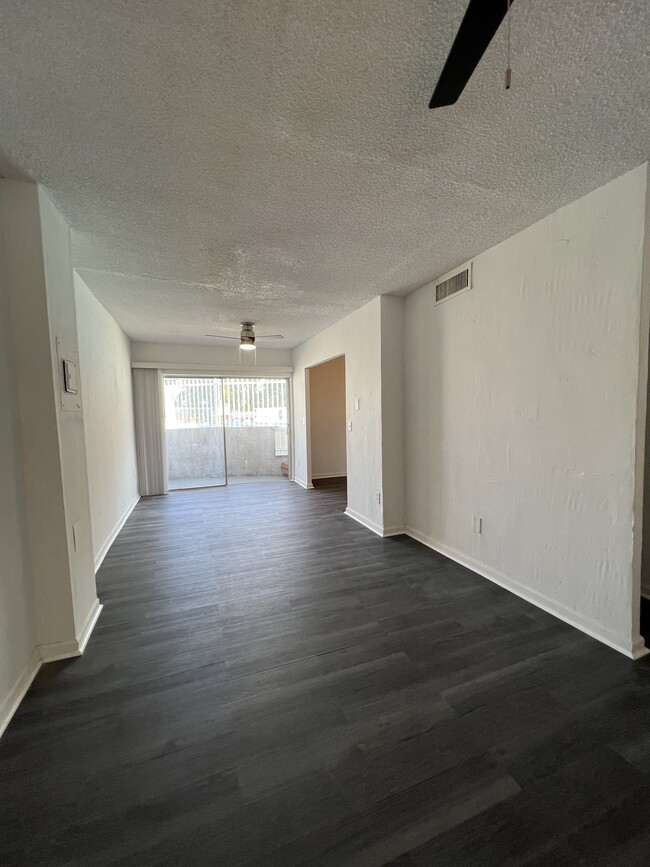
[{"x": 247, "y": 337}]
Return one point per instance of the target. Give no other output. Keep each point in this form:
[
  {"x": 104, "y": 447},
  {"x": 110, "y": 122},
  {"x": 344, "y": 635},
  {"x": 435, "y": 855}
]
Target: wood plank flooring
[{"x": 272, "y": 684}]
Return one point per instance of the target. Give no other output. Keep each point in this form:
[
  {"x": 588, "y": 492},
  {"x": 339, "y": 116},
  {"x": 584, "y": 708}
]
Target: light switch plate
[{"x": 69, "y": 380}]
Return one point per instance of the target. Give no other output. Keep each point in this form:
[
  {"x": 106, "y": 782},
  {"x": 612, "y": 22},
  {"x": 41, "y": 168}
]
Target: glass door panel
[
  {"x": 194, "y": 423},
  {"x": 257, "y": 433}
]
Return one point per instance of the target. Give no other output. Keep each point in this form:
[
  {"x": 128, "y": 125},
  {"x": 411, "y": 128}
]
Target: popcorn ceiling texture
[{"x": 275, "y": 160}]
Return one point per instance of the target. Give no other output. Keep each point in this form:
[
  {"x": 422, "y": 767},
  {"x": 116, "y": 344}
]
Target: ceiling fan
[
  {"x": 247, "y": 336},
  {"x": 478, "y": 27}
]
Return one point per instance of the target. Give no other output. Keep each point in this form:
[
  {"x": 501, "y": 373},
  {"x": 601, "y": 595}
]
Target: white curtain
[{"x": 151, "y": 447}]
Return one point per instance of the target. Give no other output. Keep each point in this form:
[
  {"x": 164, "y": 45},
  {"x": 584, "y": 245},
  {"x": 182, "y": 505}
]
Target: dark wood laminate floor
[{"x": 270, "y": 683}]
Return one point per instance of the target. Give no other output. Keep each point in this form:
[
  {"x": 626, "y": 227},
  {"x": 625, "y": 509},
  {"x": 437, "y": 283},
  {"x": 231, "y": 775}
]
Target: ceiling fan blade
[
  {"x": 223, "y": 336},
  {"x": 477, "y": 29},
  {"x": 269, "y": 337}
]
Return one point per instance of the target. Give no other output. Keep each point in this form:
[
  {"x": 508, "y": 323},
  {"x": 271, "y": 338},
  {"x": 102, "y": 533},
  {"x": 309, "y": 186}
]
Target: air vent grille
[{"x": 454, "y": 284}]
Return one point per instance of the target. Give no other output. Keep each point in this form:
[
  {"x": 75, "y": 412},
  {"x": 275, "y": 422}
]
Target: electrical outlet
[
  {"x": 378, "y": 498},
  {"x": 357, "y": 403},
  {"x": 349, "y": 425},
  {"x": 477, "y": 524}
]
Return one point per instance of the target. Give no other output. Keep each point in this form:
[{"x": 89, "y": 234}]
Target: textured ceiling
[{"x": 275, "y": 160}]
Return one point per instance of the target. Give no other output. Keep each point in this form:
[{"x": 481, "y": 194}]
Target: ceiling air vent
[{"x": 459, "y": 282}]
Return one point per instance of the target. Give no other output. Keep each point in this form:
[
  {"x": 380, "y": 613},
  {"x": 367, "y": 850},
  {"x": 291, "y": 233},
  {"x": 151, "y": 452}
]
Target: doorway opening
[
  {"x": 327, "y": 425},
  {"x": 225, "y": 430}
]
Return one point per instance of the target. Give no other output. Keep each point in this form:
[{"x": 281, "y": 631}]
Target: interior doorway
[
  {"x": 327, "y": 432},
  {"x": 226, "y": 430}
]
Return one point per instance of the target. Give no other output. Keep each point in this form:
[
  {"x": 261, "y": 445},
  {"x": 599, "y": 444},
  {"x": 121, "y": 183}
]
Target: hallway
[{"x": 269, "y": 682}]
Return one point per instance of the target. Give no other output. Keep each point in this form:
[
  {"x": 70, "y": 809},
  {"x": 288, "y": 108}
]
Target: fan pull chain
[{"x": 508, "y": 68}]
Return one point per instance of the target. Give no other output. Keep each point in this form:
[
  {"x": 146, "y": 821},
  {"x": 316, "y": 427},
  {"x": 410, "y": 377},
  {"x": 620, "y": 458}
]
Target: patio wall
[{"x": 195, "y": 452}]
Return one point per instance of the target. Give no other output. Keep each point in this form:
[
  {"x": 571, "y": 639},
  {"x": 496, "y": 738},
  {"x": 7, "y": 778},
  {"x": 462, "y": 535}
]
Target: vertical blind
[
  {"x": 196, "y": 402},
  {"x": 150, "y": 443}
]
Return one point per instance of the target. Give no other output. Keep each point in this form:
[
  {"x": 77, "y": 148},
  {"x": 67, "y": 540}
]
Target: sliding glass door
[
  {"x": 194, "y": 422},
  {"x": 226, "y": 430},
  {"x": 257, "y": 433}
]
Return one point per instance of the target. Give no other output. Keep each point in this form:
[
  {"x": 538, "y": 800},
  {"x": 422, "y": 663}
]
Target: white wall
[
  {"x": 392, "y": 411},
  {"x": 105, "y": 365},
  {"x": 327, "y": 410},
  {"x": 48, "y": 602},
  {"x": 41, "y": 463},
  {"x": 18, "y": 656},
  {"x": 358, "y": 337},
  {"x": 521, "y": 408},
  {"x": 217, "y": 357},
  {"x": 59, "y": 283},
  {"x": 38, "y": 279},
  {"x": 645, "y": 522},
  {"x": 642, "y": 514}
]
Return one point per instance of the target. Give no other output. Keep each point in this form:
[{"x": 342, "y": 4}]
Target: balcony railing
[{"x": 196, "y": 402}]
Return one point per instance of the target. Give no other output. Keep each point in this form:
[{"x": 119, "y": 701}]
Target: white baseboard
[
  {"x": 585, "y": 624},
  {"x": 9, "y": 705},
  {"x": 328, "y": 476},
  {"x": 367, "y": 522},
  {"x": 59, "y": 650},
  {"x": 372, "y": 525},
  {"x": 47, "y": 653},
  {"x": 89, "y": 625},
  {"x": 302, "y": 484},
  {"x": 75, "y": 647},
  {"x": 103, "y": 551},
  {"x": 639, "y": 648}
]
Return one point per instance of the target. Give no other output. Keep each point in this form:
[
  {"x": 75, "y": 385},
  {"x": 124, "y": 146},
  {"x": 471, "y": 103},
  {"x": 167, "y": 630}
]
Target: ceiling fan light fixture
[
  {"x": 247, "y": 336},
  {"x": 247, "y": 340}
]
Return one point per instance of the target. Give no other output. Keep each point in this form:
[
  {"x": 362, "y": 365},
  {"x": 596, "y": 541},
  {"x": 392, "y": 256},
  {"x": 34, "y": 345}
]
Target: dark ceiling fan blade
[
  {"x": 477, "y": 29},
  {"x": 223, "y": 336},
  {"x": 269, "y": 337}
]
